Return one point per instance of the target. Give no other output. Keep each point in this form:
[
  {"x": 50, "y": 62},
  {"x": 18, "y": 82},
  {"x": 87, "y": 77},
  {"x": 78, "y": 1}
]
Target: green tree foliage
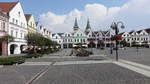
[
  {"x": 36, "y": 39},
  {"x": 123, "y": 42}
]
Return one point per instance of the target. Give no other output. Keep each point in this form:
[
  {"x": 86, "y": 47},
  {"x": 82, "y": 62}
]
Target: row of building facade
[
  {"x": 97, "y": 39},
  {"x": 140, "y": 37},
  {"x": 86, "y": 38},
  {"x": 14, "y": 22}
]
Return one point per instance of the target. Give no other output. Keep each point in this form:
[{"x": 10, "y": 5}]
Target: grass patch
[{"x": 12, "y": 60}]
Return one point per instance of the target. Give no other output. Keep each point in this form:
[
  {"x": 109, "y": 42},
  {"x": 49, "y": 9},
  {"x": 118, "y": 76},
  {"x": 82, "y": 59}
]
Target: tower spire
[
  {"x": 76, "y": 27},
  {"x": 88, "y": 24},
  {"x": 88, "y": 27}
]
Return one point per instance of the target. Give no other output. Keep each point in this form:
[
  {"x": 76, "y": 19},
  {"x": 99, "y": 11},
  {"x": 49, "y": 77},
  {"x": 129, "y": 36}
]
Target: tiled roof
[
  {"x": 60, "y": 34},
  {"x": 7, "y": 6},
  {"x": 28, "y": 16},
  {"x": 86, "y": 33},
  {"x": 131, "y": 32},
  {"x": 139, "y": 31},
  {"x": 147, "y": 30},
  {"x": 3, "y": 14}
]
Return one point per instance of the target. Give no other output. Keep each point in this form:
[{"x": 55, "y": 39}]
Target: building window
[
  {"x": 83, "y": 40},
  {"x": 12, "y": 32},
  {"x": 19, "y": 14},
  {"x": 132, "y": 39},
  {"x": 77, "y": 40},
  {"x": 4, "y": 26},
  {"x": 77, "y": 35},
  {"x": 13, "y": 20},
  {"x": 16, "y": 34},
  {"x": 16, "y": 21},
  {"x": 21, "y": 35},
  {"x": 68, "y": 35},
  {"x": 31, "y": 24}
]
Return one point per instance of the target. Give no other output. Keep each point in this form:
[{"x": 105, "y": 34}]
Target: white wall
[{"x": 19, "y": 28}]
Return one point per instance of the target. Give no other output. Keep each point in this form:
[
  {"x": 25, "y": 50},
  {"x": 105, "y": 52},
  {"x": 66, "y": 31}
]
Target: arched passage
[
  {"x": 91, "y": 45},
  {"x": 13, "y": 48},
  {"x": 23, "y": 48}
]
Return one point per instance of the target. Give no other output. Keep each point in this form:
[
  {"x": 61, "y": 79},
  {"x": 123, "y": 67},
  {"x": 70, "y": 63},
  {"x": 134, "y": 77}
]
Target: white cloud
[{"x": 135, "y": 14}]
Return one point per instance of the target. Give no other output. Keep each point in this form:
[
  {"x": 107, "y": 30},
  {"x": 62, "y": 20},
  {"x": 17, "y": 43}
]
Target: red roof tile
[{"x": 7, "y": 6}]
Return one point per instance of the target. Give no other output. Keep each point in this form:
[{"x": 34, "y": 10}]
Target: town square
[{"x": 81, "y": 42}]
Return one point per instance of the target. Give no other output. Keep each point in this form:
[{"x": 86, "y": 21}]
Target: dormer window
[
  {"x": 143, "y": 33},
  {"x": 19, "y": 14},
  {"x": 13, "y": 20},
  {"x": 68, "y": 35},
  {"x": 16, "y": 21}
]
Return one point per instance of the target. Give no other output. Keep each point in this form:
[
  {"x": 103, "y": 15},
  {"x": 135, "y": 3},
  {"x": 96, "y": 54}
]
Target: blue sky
[
  {"x": 59, "y": 15},
  {"x": 38, "y": 7}
]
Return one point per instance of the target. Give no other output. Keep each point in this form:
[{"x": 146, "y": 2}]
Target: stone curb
[
  {"x": 1, "y": 66},
  {"x": 82, "y": 62},
  {"x": 133, "y": 68}
]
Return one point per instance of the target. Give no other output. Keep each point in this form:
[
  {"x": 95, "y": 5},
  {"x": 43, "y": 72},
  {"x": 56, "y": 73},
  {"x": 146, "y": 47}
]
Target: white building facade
[
  {"x": 141, "y": 37},
  {"x": 43, "y": 31},
  {"x": 17, "y": 26}
]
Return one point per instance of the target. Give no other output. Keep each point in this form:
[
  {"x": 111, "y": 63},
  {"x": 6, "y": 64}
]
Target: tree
[
  {"x": 123, "y": 42},
  {"x": 35, "y": 39}
]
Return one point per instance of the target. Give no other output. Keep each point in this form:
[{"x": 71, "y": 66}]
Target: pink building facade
[{"x": 3, "y": 32}]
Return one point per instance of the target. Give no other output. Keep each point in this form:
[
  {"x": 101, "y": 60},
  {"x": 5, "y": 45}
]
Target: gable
[
  {"x": 143, "y": 32},
  {"x": 17, "y": 13},
  {"x": 79, "y": 33},
  {"x": 7, "y": 6}
]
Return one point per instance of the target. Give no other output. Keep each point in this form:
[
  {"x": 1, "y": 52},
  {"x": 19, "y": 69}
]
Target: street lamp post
[{"x": 115, "y": 26}]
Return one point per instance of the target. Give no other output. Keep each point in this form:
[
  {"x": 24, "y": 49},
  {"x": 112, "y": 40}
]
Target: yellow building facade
[{"x": 31, "y": 24}]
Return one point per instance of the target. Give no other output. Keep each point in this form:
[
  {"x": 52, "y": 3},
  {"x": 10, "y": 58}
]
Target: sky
[{"x": 59, "y": 15}]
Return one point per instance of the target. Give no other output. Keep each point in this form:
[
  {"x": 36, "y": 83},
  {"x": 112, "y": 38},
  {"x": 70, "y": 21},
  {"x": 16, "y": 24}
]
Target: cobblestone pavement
[
  {"x": 91, "y": 74},
  {"x": 68, "y": 58},
  {"x": 18, "y": 74},
  {"x": 63, "y": 52},
  {"x": 94, "y": 73},
  {"x": 142, "y": 55}
]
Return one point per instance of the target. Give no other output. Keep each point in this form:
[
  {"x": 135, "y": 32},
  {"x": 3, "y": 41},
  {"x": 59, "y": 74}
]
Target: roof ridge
[{"x": 7, "y": 6}]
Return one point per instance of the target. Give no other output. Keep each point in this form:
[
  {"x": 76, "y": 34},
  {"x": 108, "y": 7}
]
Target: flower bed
[
  {"x": 21, "y": 59},
  {"x": 83, "y": 53}
]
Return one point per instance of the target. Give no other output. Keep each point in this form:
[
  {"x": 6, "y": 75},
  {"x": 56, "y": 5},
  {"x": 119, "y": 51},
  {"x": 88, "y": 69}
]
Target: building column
[
  {"x": 4, "y": 48},
  {"x": 96, "y": 44},
  {"x": 62, "y": 46},
  {"x": 67, "y": 45}
]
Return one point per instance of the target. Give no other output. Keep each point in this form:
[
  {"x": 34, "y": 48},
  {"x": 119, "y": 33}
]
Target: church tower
[
  {"x": 88, "y": 27},
  {"x": 76, "y": 27}
]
